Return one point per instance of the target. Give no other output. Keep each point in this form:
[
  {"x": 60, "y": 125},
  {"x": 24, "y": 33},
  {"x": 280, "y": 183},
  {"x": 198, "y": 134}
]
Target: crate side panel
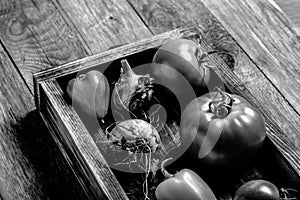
[
  {"x": 113, "y": 54},
  {"x": 91, "y": 164}
]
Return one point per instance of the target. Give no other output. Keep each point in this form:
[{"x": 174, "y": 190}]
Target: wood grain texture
[
  {"x": 170, "y": 14},
  {"x": 44, "y": 34},
  {"x": 277, "y": 55},
  {"x": 30, "y": 164},
  {"x": 36, "y": 36},
  {"x": 291, "y": 8},
  {"x": 105, "y": 23},
  {"x": 18, "y": 185}
]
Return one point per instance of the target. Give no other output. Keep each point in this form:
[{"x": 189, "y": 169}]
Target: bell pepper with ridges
[
  {"x": 90, "y": 93},
  {"x": 184, "y": 185}
]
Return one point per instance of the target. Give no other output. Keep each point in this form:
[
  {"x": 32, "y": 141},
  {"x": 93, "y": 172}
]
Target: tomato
[
  {"x": 180, "y": 61},
  {"x": 90, "y": 93},
  {"x": 257, "y": 190},
  {"x": 221, "y": 130},
  {"x": 184, "y": 185}
]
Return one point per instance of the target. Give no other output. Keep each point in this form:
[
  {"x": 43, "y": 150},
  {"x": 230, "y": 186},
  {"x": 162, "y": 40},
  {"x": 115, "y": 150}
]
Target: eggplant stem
[
  {"x": 163, "y": 170},
  {"x": 286, "y": 194},
  {"x": 125, "y": 66}
]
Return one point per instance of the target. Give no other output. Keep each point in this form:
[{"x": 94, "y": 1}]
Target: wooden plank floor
[
  {"x": 291, "y": 9},
  {"x": 36, "y": 35},
  {"x": 30, "y": 165}
]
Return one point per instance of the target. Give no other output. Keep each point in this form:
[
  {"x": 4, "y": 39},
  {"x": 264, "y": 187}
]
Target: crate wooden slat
[
  {"x": 80, "y": 150},
  {"x": 77, "y": 144}
]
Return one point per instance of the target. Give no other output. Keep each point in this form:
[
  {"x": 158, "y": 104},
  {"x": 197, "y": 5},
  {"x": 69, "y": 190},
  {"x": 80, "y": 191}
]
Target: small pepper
[
  {"x": 184, "y": 185},
  {"x": 90, "y": 93}
]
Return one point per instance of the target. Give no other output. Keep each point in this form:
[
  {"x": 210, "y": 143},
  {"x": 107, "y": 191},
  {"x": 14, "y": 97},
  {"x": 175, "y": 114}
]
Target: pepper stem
[
  {"x": 285, "y": 194},
  {"x": 221, "y": 104},
  {"x": 163, "y": 170}
]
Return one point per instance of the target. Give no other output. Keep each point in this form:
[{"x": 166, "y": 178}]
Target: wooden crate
[{"x": 76, "y": 140}]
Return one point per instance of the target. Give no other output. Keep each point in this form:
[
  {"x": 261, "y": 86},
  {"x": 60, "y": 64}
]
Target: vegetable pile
[
  {"x": 133, "y": 94},
  {"x": 216, "y": 129}
]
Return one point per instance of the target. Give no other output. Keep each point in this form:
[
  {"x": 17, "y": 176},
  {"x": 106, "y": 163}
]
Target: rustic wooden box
[{"x": 277, "y": 162}]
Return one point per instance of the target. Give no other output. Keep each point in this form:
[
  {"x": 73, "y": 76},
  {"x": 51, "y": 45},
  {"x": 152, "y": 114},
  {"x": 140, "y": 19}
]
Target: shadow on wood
[{"x": 55, "y": 179}]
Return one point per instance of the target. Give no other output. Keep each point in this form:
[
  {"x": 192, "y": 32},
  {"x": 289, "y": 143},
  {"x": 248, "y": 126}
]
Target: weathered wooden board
[
  {"x": 44, "y": 34},
  {"x": 103, "y": 24},
  {"x": 36, "y": 36},
  {"x": 276, "y": 55},
  {"x": 31, "y": 166},
  {"x": 291, "y": 9},
  {"x": 12, "y": 161},
  {"x": 171, "y": 14}
]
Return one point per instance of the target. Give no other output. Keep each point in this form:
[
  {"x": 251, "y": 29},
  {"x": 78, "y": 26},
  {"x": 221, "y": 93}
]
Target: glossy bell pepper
[
  {"x": 90, "y": 93},
  {"x": 184, "y": 185}
]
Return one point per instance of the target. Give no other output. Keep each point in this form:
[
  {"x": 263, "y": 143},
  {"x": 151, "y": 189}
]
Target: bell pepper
[
  {"x": 90, "y": 93},
  {"x": 184, "y": 185}
]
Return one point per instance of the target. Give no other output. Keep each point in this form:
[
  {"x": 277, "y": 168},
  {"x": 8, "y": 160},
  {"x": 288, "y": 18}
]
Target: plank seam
[
  {"x": 261, "y": 71},
  {"x": 16, "y": 67},
  {"x": 140, "y": 17},
  {"x": 72, "y": 26},
  {"x": 39, "y": 45}
]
